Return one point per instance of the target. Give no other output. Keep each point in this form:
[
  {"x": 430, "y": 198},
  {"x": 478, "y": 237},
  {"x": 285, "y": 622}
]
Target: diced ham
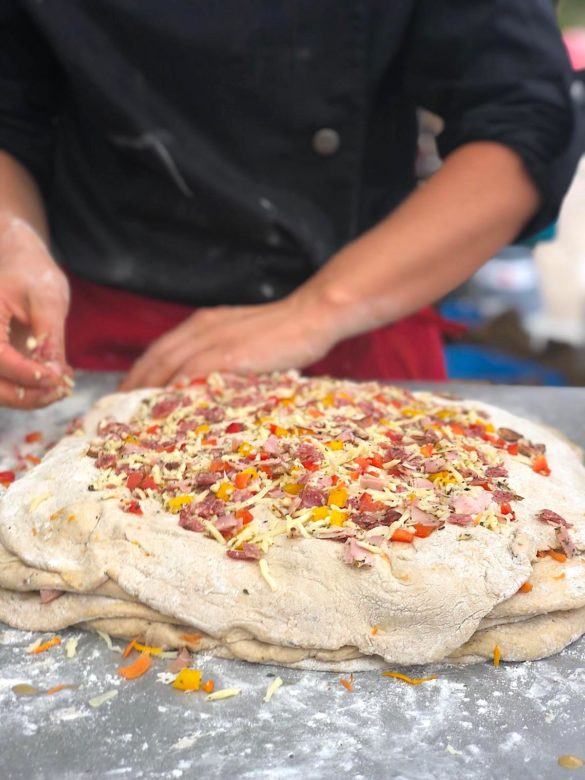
[
  {"x": 189, "y": 521},
  {"x": 228, "y": 524},
  {"x": 354, "y": 555},
  {"x": 366, "y": 520},
  {"x": 112, "y": 428},
  {"x": 249, "y": 552},
  {"x": 312, "y": 496},
  {"x": 49, "y": 594},
  {"x": 496, "y": 471},
  {"x": 505, "y": 496},
  {"x": 459, "y": 519},
  {"x": 395, "y": 453},
  {"x": 206, "y": 478},
  {"x": 105, "y": 460},
  {"x": 422, "y": 483},
  {"x": 166, "y": 406},
  {"x": 182, "y": 661},
  {"x": 373, "y": 483},
  {"x": 565, "y": 541},
  {"x": 552, "y": 518},
  {"x": 507, "y": 434},
  {"x": 244, "y": 495},
  {"x": 212, "y": 414},
  {"x": 271, "y": 445},
  {"x": 390, "y": 516},
  {"x": 432, "y": 465},
  {"x": 418, "y": 516},
  {"x": 306, "y": 451},
  {"x": 335, "y": 534},
  {"x": 471, "y": 503}
]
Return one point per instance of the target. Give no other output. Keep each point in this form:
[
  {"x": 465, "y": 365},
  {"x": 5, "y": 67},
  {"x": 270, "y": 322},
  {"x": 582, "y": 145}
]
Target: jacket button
[{"x": 326, "y": 141}]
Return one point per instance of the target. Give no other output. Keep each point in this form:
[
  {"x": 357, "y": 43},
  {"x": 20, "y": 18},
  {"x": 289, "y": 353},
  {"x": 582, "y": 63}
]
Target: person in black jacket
[{"x": 231, "y": 185}]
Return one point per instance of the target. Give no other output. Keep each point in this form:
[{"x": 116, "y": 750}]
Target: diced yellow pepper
[
  {"x": 338, "y": 497},
  {"x": 130, "y": 439},
  {"x": 224, "y": 491},
  {"x": 278, "y": 431},
  {"x": 178, "y": 502},
  {"x": 490, "y": 428},
  {"x": 245, "y": 448},
  {"x": 287, "y": 401},
  {"x": 442, "y": 478},
  {"x": 407, "y": 412},
  {"x": 202, "y": 429},
  {"x": 337, "y": 517},
  {"x": 328, "y": 400},
  {"x": 188, "y": 680},
  {"x": 292, "y": 488},
  {"x": 320, "y": 512},
  {"x": 252, "y": 471},
  {"x": 335, "y": 445}
]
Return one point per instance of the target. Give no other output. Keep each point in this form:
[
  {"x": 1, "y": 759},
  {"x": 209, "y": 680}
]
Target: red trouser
[{"x": 107, "y": 329}]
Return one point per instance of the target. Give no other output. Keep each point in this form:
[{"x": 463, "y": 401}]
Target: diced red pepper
[
  {"x": 427, "y": 450},
  {"x": 34, "y": 459},
  {"x": 422, "y": 530},
  {"x": 266, "y": 469},
  {"x": 367, "y": 504},
  {"x": 210, "y": 442},
  {"x": 245, "y": 516},
  {"x": 393, "y": 436},
  {"x": 457, "y": 429},
  {"x": 149, "y": 483},
  {"x": 198, "y": 380},
  {"x": 381, "y": 399},
  {"x": 134, "y": 479},
  {"x": 505, "y": 508},
  {"x": 7, "y": 477},
  {"x": 377, "y": 461},
  {"x": 402, "y": 535},
  {"x": 133, "y": 507},
  {"x": 363, "y": 463},
  {"x": 310, "y": 465},
  {"x": 241, "y": 480},
  {"x": 334, "y": 479},
  {"x": 153, "y": 429},
  {"x": 235, "y": 427},
  {"x": 540, "y": 466},
  {"x": 218, "y": 465},
  {"x": 33, "y": 437},
  {"x": 513, "y": 449}
]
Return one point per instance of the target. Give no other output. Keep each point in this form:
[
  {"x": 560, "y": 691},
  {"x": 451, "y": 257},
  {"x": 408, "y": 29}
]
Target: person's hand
[
  {"x": 292, "y": 333},
  {"x": 34, "y": 299}
]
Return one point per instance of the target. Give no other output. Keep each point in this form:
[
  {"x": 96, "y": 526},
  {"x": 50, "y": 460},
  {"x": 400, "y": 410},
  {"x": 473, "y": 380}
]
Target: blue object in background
[{"x": 472, "y": 362}]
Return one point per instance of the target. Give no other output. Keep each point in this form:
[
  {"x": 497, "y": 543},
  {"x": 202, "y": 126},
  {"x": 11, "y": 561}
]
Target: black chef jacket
[{"x": 220, "y": 151}]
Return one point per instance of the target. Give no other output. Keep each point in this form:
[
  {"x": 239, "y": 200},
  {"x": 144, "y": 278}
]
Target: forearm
[
  {"x": 20, "y": 198},
  {"x": 439, "y": 237}
]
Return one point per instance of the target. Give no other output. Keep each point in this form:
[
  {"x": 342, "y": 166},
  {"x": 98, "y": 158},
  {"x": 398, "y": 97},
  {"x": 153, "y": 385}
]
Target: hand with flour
[{"x": 34, "y": 298}]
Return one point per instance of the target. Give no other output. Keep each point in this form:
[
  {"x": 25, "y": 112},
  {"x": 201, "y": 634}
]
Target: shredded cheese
[
  {"x": 264, "y": 571},
  {"x": 226, "y": 693},
  {"x": 97, "y": 701},
  {"x": 36, "y": 502},
  {"x": 272, "y": 688},
  {"x": 71, "y": 647}
]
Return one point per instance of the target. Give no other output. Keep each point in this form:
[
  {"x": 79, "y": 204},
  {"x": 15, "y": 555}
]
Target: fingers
[
  {"x": 20, "y": 370},
  {"x": 25, "y": 398},
  {"x": 48, "y": 311}
]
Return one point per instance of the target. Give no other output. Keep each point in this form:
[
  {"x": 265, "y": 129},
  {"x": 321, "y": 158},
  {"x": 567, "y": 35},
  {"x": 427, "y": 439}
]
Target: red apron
[{"x": 107, "y": 329}]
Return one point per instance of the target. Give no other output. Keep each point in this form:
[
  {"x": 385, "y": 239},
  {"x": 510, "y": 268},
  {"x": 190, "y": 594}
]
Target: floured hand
[
  {"x": 34, "y": 299},
  {"x": 292, "y": 333}
]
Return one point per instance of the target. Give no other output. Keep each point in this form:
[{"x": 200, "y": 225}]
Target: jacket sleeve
[
  {"x": 497, "y": 70},
  {"x": 30, "y": 84}
]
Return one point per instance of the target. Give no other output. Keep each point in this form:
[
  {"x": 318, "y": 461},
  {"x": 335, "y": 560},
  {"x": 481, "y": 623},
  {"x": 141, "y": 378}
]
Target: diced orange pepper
[
  {"x": 525, "y": 587},
  {"x": 540, "y": 465},
  {"x": 56, "y": 640},
  {"x": 422, "y": 530},
  {"x": 33, "y": 437},
  {"x": 129, "y": 647},
  {"x": 347, "y": 683},
  {"x": 208, "y": 686},
  {"x": 245, "y": 516},
  {"x": 427, "y": 450},
  {"x": 241, "y": 480},
  {"x": 137, "y": 668},
  {"x": 402, "y": 535}
]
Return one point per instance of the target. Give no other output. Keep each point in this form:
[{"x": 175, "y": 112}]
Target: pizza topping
[
  {"x": 565, "y": 541},
  {"x": 327, "y": 459},
  {"x": 552, "y": 518}
]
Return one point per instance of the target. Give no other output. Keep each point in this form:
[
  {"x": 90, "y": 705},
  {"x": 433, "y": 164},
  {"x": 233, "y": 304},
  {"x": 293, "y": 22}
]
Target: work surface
[{"x": 472, "y": 722}]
